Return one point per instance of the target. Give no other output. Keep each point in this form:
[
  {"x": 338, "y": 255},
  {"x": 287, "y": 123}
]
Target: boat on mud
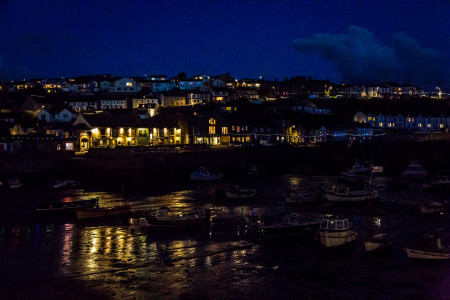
[
  {"x": 297, "y": 195},
  {"x": 291, "y": 224},
  {"x": 65, "y": 205},
  {"x": 415, "y": 170},
  {"x": 428, "y": 246},
  {"x": 164, "y": 217}
]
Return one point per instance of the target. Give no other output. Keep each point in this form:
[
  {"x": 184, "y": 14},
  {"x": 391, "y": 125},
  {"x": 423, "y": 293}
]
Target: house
[
  {"x": 83, "y": 103},
  {"x": 124, "y": 85},
  {"x": 197, "y": 97},
  {"x": 192, "y": 84},
  {"x": 109, "y": 101},
  {"x": 57, "y": 114},
  {"x": 136, "y": 102},
  {"x": 174, "y": 98},
  {"x": 163, "y": 86}
]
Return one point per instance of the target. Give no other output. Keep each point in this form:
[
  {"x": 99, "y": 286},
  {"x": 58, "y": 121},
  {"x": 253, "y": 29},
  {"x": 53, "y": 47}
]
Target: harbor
[{"x": 229, "y": 256}]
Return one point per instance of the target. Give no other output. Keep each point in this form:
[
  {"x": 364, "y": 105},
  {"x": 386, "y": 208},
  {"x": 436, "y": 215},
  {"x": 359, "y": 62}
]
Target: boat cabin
[
  {"x": 340, "y": 190},
  {"x": 335, "y": 224}
]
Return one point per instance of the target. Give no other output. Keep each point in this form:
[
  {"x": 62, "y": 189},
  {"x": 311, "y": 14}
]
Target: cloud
[{"x": 359, "y": 57}]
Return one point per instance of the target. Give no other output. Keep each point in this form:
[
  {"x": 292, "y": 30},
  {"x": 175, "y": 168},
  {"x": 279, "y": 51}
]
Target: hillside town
[{"x": 101, "y": 111}]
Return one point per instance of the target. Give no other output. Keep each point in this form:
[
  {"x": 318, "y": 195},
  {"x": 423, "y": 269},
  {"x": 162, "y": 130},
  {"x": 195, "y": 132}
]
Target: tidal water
[{"x": 58, "y": 257}]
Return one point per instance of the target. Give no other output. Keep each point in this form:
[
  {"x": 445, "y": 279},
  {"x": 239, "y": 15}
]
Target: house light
[
  {"x": 121, "y": 130},
  {"x": 95, "y": 131}
]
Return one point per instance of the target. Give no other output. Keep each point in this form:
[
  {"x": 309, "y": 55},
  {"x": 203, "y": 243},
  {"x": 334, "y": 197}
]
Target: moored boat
[
  {"x": 414, "y": 170},
  {"x": 292, "y": 223},
  {"x": 238, "y": 192},
  {"x": 432, "y": 207},
  {"x": 69, "y": 205},
  {"x": 335, "y": 232},
  {"x": 378, "y": 242},
  {"x": 347, "y": 195},
  {"x": 163, "y": 217},
  {"x": 102, "y": 212},
  {"x": 14, "y": 183},
  {"x": 428, "y": 247},
  {"x": 297, "y": 195},
  {"x": 440, "y": 184},
  {"x": 203, "y": 174}
]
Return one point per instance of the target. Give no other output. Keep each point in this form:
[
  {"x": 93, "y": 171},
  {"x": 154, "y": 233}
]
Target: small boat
[
  {"x": 345, "y": 194},
  {"x": 414, "y": 171},
  {"x": 102, "y": 212},
  {"x": 335, "y": 232},
  {"x": 297, "y": 195},
  {"x": 14, "y": 183},
  {"x": 378, "y": 242},
  {"x": 428, "y": 247},
  {"x": 203, "y": 174},
  {"x": 439, "y": 185},
  {"x": 254, "y": 170},
  {"x": 57, "y": 184},
  {"x": 432, "y": 207},
  {"x": 165, "y": 218},
  {"x": 363, "y": 168},
  {"x": 290, "y": 224},
  {"x": 70, "y": 205},
  {"x": 238, "y": 192}
]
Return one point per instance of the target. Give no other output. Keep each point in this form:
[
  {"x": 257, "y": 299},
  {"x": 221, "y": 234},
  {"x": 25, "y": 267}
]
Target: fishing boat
[
  {"x": 414, "y": 171},
  {"x": 238, "y": 192},
  {"x": 203, "y": 174},
  {"x": 292, "y": 223},
  {"x": 297, "y": 195},
  {"x": 347, "y": 195},
  {"x": 68, "y": 204},
  {"x": 164, "y": 217},
  {"x": 432, "y": 207},
  {"x": 440, "y": 185},
  {"x": 335, "y": 232},
  {"x": 428, "y": 246}
]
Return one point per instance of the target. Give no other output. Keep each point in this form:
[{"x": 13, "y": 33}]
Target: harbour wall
[{"x": 143, "y": 169}]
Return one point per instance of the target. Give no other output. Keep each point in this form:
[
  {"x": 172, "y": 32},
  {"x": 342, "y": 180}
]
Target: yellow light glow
[
  {"x": 128, "y": 139},
  {"x": 129, "y": 84},
  {"x": 95, "y": 131},
  {"x": 121, "y": 130}
]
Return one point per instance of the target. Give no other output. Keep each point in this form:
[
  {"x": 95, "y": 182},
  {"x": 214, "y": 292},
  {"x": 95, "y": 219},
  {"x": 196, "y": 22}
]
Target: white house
[{"x": 109, "y": 103}]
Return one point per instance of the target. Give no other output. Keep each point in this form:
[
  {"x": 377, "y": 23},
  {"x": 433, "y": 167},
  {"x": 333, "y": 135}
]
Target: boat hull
[
  {"x": 278, "y": 229},
  {"x": 351, "y": 198},
  {"x": 91, "y": 213},
  {"x": 199, "y": 177},
  {"x": 65, "y": 206},
  {"x": 427, "y": 254},
  {"x": 379, "y": 242},
  {"x": 330, "y": 239}
]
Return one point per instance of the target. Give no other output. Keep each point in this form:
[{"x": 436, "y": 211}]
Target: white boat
[
  {"x": 432, "y": 207},
  {"x": 14, "y": 183},
  {"x": 440, "y": 184},
  {"x": 345, "y": 194},
  {"x": 290, "y": 224},
  {"x": 380, "y": 241},
  {"x": 428, "y": 247},
  {"x": 361, "y": 168},
  {"x": 334, "y": 232},
  {"x": 238, "y": 192},
  {"x": 297, "y": 195},
  {"x": 203, "y": 174},
  {"x": 414, "y": 171}
]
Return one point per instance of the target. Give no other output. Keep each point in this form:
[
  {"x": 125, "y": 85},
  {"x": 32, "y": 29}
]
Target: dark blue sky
[{"x": 357, "y": 41}]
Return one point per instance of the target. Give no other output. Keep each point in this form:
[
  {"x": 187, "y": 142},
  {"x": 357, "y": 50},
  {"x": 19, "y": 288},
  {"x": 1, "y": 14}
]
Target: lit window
[
  {"x": 420, "y": 125},
  {"x": 380, "y": 124},
  {"x": 224, "y": 130},
  {"x": 429, "y": 125},
  {"x": 441, "y": 126},
  {"x": 129, "y": 84}
]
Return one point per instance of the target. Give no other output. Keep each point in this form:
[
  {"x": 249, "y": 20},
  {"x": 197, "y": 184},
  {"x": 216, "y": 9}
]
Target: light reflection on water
[{"x": 227, "y": 254}]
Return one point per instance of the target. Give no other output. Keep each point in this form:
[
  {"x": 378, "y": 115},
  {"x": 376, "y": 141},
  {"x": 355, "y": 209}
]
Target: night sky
[{"x": 345, "y": 41}]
